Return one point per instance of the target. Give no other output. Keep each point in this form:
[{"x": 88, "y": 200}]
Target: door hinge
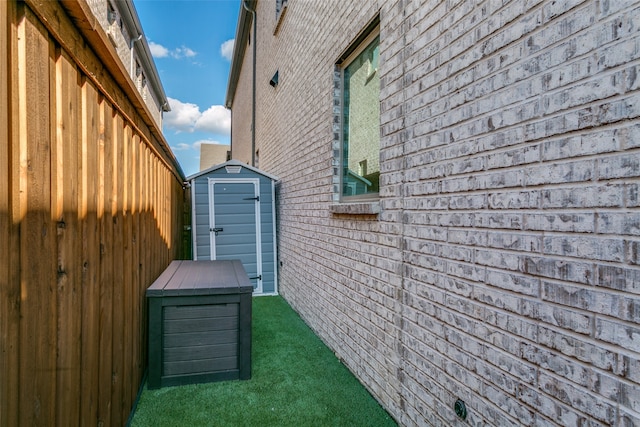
[
  {"x": 257, "y": 198},
  {"x": 257, "y": 277},
  {"x": 216, "y": 230}
]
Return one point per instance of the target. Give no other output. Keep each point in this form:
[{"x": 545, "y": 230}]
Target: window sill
[{"x": 356, "y": 208}]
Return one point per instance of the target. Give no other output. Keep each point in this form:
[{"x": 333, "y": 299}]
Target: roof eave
[
  {"x": 243, "y": 30},
  {"x": 232, "y": 162}
]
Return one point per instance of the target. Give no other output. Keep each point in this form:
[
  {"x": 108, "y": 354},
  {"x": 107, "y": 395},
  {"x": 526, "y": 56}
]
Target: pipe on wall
[
  {"x": 132, "y": 66},
  {"x": 245, "y": 4}
]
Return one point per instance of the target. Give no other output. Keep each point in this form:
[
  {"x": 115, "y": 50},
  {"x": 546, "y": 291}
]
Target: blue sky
[{"x": 192, "y": 41}]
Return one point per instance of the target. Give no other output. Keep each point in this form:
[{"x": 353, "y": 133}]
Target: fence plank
[
  {"x": 145, "y": 244},
  {"x": 135, "y": 261},
  {"x": 118, "y": 271},
  {"x": 90, "y": 254},
  {"x": 69, "y": 273},
  {"x": 37, "y": 235},
  {"x": 9, "y": 283},
  {"x": 127, "y": 309},
  {"x": 105, "y": 212}
]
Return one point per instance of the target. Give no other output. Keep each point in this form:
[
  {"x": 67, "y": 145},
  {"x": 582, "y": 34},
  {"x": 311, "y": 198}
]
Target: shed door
[{"x": 234, "y": 218}]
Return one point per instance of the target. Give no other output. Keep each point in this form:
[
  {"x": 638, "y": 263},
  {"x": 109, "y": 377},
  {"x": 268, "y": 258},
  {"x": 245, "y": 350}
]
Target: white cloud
[
  {"x": 215, "y": 119},
  {"x": 226, "y": 49},
  {"x": 183, "y": 115},
  {"x": 186, "y": 117},
  {"x": 181, "y": 147},
  {"x": 183, "y": 52},
  {"x": 158, "y": 51}
]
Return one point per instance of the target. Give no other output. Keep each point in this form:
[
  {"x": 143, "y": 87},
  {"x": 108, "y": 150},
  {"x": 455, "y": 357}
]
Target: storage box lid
[{"x": 201, "y": 278}]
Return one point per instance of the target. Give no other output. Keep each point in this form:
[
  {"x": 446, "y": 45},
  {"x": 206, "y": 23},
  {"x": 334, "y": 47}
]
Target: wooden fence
[{"x": 91, "y": 203}]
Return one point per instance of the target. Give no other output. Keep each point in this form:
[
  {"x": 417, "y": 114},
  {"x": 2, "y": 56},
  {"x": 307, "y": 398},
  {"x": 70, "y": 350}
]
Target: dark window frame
[{"x": 362, "y": 44}]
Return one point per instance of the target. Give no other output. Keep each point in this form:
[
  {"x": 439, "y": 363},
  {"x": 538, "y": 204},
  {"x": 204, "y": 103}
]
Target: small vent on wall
[{"x": 233, "y": 169}]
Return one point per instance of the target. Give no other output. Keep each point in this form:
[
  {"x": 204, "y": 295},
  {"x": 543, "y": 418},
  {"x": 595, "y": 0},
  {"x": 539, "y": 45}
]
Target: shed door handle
[{"x": 216, "y": 230}]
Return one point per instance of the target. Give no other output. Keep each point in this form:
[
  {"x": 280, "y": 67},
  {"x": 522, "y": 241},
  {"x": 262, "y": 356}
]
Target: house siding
[
  {"x": 503, "y": 269},
  {"x": 241, "y": 112}
]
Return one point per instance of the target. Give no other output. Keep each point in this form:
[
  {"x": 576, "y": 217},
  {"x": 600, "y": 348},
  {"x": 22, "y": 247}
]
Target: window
[
  {"x": 281, "y": 8},
  {"x": 362, "y": 169},
  {"x": 144, "y": 90},
  {"x": 139, "y": 76},
  {"x": 360, "y": 120},
  {"x": 112, "y": 15},
  {"x": 280, "y": 5}
]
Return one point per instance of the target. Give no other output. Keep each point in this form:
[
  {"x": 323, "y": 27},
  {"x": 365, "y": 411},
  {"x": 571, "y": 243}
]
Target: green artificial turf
[{"x": 295, "y": 381}]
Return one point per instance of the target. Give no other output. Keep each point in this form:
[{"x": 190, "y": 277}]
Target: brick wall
[
  {"x": 503, "y": 268},
  {"x": 241, "y": 111}
]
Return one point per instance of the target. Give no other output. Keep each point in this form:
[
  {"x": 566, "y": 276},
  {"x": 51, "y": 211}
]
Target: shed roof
[{"x": 233, "y": 162}]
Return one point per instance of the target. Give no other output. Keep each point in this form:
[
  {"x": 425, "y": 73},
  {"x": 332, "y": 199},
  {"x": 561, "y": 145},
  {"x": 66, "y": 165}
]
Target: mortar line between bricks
[{"x": 401, "y": 355}]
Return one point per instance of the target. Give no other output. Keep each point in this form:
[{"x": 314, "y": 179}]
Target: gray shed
[{"x": 234, "y": 217}]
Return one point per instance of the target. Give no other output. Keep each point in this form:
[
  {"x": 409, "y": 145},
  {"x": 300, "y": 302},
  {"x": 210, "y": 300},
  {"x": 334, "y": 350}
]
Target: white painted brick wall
[{"x": 504, "y": 268}]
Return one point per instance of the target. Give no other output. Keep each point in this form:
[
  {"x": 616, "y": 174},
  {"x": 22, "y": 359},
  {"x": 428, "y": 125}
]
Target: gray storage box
[{"x": 199, "y": 323}]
